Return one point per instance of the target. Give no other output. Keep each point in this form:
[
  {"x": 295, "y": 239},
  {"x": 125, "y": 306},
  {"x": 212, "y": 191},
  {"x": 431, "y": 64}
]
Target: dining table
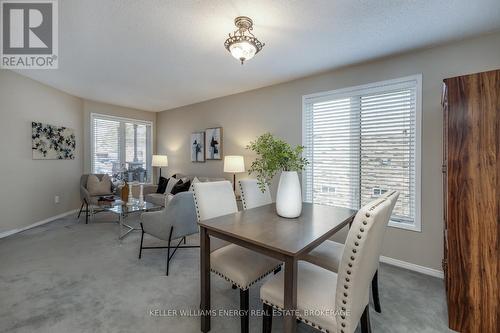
[{"x": 262, "y": 230}]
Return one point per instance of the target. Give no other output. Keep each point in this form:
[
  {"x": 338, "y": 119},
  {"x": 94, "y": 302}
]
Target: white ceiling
[{"x": 157, "y": 54}]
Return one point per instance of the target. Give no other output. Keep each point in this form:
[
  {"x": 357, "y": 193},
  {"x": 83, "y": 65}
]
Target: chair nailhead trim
[
  {"x": 250, "y": 284},
  {"x": 196, "y": 206},
  {"x": 305, "y": 321},
  {"x": 242, "y": 196},
  {"x": 350, "y": 264}
]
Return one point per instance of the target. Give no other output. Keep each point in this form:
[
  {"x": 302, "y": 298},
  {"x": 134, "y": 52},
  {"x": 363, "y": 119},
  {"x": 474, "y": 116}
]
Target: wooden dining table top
[{"x": 263, "y": 227}]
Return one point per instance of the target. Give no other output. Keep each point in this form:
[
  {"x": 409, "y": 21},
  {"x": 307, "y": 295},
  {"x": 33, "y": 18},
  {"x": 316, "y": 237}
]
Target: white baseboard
[
  {"x": 412, "y": 267},
  {"x": 36, "y": 224}
]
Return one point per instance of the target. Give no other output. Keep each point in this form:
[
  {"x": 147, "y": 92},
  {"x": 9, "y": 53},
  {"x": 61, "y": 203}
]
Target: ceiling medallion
[{"x": 242, "y": 44}]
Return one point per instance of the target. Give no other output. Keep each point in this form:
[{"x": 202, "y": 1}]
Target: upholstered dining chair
[
  {"x": 174, "y": 222},
  {"x": 251, "y": 194},
  {"x": 339, "y": 309},
  {"x": 237, "y": 265},
  {"x": 329, "y": 254}
]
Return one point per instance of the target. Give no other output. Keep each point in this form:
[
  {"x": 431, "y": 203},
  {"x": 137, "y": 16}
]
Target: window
[
  {"x": 121, "y": 147},
  {"x": 328, "y": 189},
  {"x": 377, "y": 191},
  {"x": 362, "y": 142}
]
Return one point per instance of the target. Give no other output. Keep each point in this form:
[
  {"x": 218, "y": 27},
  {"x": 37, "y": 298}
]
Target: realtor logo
[{"x": 29, "y": 34}]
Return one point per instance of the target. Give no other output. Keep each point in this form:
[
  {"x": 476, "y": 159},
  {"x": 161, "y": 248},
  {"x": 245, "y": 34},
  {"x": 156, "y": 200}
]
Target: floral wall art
[{"x": 51, "y": 142}]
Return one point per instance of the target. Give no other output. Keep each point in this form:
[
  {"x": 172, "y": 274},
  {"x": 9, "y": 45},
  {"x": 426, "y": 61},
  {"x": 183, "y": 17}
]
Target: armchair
[
  {"x": 88, "y": 199},
  {"x": 174, "y": 222}
]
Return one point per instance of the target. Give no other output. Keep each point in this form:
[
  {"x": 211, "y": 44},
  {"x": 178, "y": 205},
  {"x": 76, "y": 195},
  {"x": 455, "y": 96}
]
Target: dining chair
[
  {"x": 329, "y": 253},
  {"x": 237, "y": 265},
  {"x": 339, "y": 309},
  {"x": 252, "y": 196}
]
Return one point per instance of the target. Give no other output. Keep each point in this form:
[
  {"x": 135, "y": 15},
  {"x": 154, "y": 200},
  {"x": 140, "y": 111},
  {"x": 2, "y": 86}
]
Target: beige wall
[
  {"x": 278, "y": 109},
  {"x": 28, "y": 187},
  {"x": 90, "y": 107}
]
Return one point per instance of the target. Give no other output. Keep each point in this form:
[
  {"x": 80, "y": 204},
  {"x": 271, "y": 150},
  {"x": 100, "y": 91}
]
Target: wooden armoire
[{"x": 471, "y": 169}]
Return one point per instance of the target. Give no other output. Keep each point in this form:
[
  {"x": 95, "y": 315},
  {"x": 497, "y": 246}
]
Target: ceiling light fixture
[{"x": 243, "y": 45}]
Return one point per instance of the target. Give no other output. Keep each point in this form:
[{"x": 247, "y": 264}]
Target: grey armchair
[
  {"x": 176, "y": 221},
  {"x": 87, "y": 199}
]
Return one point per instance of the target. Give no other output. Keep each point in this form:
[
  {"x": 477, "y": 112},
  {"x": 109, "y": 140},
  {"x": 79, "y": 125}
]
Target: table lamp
[
  {"x": 234, "y": 164},
  {"x": 160, "y": 161}
]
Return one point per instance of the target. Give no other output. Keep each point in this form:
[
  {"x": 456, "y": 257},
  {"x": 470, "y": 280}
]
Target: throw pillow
[
  {"x": 99, "y": 187},
  {"x": 171, "y": 183},
  {"x": 162, "y": 185},
  {"x": 181, "y": 187},
  {"x": 168, "y": 198},
  {"x": 195, "y": 180}
]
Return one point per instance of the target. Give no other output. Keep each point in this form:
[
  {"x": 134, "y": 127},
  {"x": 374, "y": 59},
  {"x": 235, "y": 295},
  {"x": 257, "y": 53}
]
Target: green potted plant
[{"x": 275, "y": 155}]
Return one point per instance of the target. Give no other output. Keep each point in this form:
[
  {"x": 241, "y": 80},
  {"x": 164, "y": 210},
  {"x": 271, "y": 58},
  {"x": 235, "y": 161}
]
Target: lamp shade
[
  {"x": 234, "y": 164},
  {"x": 160, "y": 161}
]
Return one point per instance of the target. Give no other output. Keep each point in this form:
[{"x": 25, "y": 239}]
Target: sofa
[{"x": 161, "y": 199}]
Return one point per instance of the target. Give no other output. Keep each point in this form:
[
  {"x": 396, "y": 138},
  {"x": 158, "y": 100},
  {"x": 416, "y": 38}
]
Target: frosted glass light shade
[
  {"x": 160, "y": 161},
  {"x": 234, "y": 164},
  {"x": 243, "y": 50}
]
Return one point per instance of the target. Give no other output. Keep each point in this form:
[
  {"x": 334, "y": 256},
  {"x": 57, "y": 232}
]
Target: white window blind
[
  {"x": 362, "y": 142},
  {"x": 121, "y": 147}
]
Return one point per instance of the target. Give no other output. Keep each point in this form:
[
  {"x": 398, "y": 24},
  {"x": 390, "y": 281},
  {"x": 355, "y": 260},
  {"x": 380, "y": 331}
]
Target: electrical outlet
[{"x": 56, "y": 199}]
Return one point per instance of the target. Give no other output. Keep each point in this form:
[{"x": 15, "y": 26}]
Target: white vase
[{"x": 289, "y": 196}]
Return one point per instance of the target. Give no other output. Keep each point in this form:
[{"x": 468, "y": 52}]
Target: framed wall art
[
  {"x": 51, "y": 142},
  {"x": 198, "y": 147},
  {"x": 213, "y": 147}
]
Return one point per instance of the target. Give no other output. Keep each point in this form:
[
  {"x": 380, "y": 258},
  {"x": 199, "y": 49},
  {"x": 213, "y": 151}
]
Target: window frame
[
  {"x": 374, "y": 87},
  {"x": 94, "y": 115}
]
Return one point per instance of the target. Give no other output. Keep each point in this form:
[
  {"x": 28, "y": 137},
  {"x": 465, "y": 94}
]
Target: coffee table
[{"x": 123, "y": 210}]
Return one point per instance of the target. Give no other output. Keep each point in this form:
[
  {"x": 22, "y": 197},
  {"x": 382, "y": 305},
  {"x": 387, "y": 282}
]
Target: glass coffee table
[{"x": 123, "y": 210}]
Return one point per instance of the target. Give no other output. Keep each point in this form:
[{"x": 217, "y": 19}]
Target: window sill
[{"x": 405, "y": 226}]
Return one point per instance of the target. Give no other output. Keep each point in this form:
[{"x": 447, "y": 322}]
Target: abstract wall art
[
  {"x": 51, "y": 142},
  {"x": 198, "y": 147},
  {"x": 213, "y": 148}
]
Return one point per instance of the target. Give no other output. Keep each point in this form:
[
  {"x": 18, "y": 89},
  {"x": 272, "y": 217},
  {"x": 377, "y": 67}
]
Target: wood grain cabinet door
[{"x": 473, "y": 208}]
